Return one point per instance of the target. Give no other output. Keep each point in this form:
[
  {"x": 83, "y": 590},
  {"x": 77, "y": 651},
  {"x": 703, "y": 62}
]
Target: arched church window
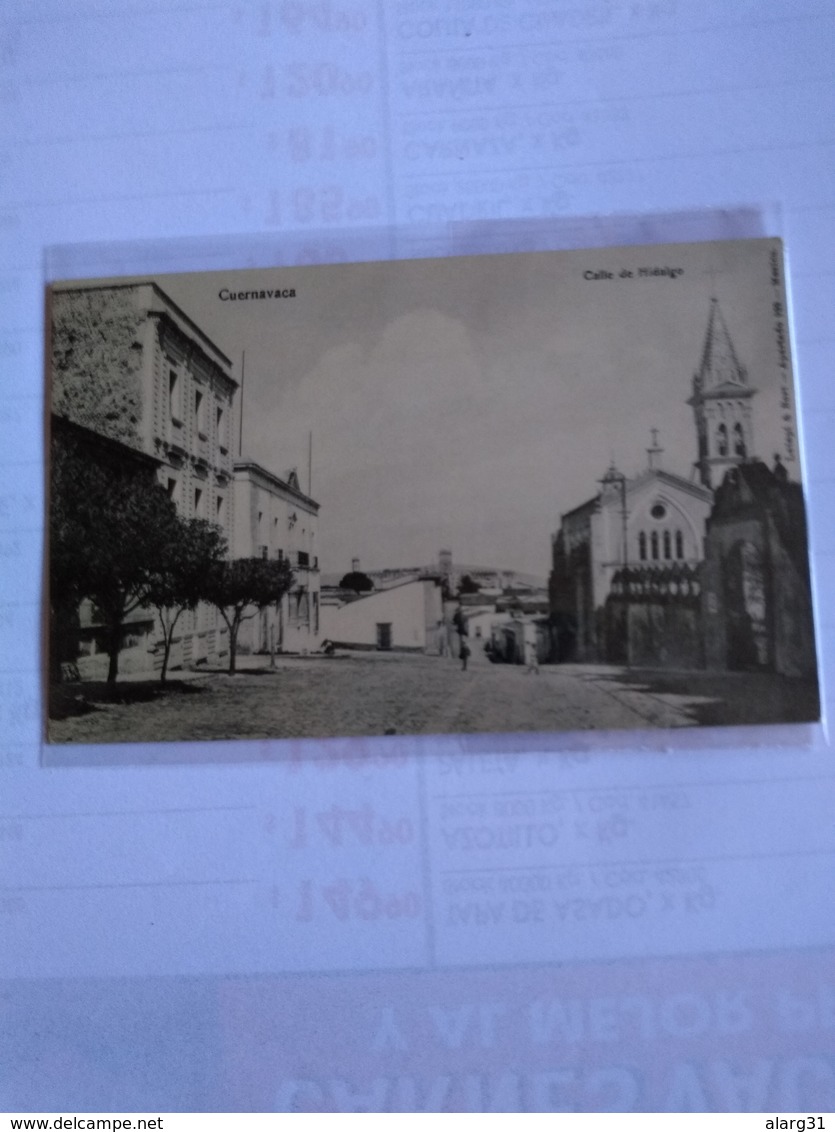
[
  {"x": 653, "y": 541},
  {"x": 642, "y": 546},
  {"x": 722, "y": 439},
  {"x": 668, "y": 553},
  {"x": 679, "y": 545},
  {"x": 739, "y": 441}
]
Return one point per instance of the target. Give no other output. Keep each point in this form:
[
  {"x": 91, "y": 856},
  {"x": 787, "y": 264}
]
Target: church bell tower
[{"x": 721, "y": 403}]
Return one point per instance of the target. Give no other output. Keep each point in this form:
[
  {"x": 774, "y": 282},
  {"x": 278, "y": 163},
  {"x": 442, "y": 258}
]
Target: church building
[
  {"x": 638, "y": 542},
  {"x": 721, "y": 403}
]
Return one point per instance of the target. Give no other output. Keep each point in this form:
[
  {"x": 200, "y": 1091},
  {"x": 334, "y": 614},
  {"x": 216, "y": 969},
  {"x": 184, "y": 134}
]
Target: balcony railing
[
  {"x": 202, "y": 450},
  {"x": 295, "y": 559},
  {"x": 301, "y": 560}
]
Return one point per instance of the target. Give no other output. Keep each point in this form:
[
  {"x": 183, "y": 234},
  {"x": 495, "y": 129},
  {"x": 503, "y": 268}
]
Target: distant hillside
[{"x": 489, "y": 577}]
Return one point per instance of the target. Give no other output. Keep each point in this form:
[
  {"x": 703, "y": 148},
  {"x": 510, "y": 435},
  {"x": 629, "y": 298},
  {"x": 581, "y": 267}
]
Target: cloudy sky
[{"x": 467, "y": 402}]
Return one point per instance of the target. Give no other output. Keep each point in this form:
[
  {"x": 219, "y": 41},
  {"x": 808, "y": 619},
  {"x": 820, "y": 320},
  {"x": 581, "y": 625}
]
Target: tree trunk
[
  {"x": 233, "y": 644},
  {"x": 114, "y": 634},
  {"x": 166, "y": 652},
  {"x": 168, "y": 641}
]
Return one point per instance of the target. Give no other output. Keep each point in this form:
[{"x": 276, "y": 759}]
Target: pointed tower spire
[
  {"x": 721, "y": 403},
  {"x": 720, "y": 365}
]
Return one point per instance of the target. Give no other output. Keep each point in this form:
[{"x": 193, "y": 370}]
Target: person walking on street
[{"x": 464, "y": 654}]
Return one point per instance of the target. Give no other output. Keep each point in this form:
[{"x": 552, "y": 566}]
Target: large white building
[
  {"x": 275, "y": 519},
  {"x": 406, "y": 617}
]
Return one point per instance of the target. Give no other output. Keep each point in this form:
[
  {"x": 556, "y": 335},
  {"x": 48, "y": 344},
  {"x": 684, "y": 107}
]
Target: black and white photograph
[{"x": 528, "y": 492}]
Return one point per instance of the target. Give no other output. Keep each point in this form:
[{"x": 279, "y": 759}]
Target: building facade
[
  {"x": 406, "y": 617},
  {"x": 721, "y": 402},
  {"x": 129, "y": 364},
  {"x": 652, "y": 522},
  {"x": 275, "y": 519},
  {"x": 626, "y": 564},
  {"x": 756, "y": 590}
]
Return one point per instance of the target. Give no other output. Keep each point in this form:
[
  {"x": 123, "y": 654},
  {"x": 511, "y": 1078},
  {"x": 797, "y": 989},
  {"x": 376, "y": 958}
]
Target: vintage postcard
[{"x": 536, "y": 492}]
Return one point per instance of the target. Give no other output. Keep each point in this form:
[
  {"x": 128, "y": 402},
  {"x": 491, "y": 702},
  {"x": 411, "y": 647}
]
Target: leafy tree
[
  {"x": 236, "y": 587},
  {"x": 111, "y": 527},
  {"x": 469, "y": 586},
  {"x": 69, "y": 554},
  {"x": 179, "y": 581},
  {"x": 134, "y": 533},
  {"x": 357, "y": 581}
]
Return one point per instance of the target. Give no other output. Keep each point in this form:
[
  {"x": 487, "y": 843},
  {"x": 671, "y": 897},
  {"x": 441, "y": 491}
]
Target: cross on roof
[{"x": 654, "y": 449}]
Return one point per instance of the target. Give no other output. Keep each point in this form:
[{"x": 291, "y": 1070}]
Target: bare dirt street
[{"x": 396, "y": 693}]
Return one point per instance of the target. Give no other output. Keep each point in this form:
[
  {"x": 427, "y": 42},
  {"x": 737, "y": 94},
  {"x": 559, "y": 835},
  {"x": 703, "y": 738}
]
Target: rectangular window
[
  {"x": 171, "y": 488},
  {"x": 175, "y": 386},
  {"x": 220, "y": 425},
  {"x": 384, "y": 634},
  {"x": 219, "y": 509},
  {"x": 200, "y": 413},
  {"x": 198, "y": 502}
]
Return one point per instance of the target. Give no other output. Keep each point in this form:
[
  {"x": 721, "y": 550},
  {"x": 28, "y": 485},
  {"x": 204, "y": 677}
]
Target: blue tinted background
[{"x": 160, "y": 946}]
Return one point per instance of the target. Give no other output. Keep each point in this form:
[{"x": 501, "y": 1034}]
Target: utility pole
[
  {"x": 613, "y": 476},
  {"x": 241, "y": 414}
]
